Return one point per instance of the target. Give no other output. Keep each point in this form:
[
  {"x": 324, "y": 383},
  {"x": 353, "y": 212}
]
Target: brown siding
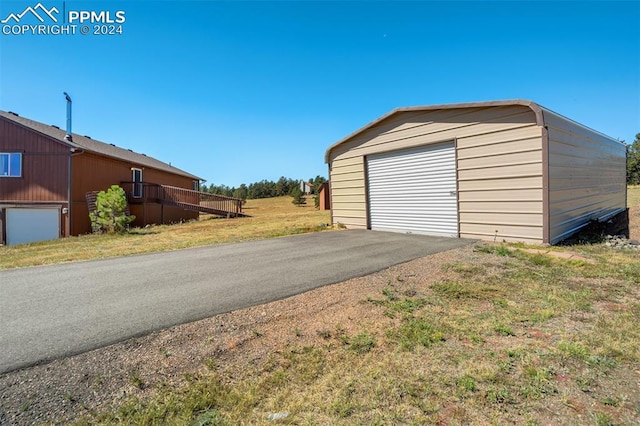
[
  {"x": 44, "y": 179},
  {"x": 44, "y": 166},
  {"x": 91, "y": 172},
  {"x": 325, "y": 196}
]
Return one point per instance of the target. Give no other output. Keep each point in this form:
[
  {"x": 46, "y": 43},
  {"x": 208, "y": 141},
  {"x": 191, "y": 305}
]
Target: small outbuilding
[{"x": 503, "y": 170}]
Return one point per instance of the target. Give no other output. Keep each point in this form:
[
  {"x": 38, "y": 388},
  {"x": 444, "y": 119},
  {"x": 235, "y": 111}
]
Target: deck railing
[{"x": 143, "y": 192}]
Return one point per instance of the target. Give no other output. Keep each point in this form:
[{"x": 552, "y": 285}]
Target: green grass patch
[
  {"x": 416, "y": 332},
  {"x": 362, "y": 343}
]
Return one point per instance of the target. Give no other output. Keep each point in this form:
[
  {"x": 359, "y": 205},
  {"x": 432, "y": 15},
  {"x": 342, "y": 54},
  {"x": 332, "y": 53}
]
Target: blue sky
[{"x": 242, "y": 91}]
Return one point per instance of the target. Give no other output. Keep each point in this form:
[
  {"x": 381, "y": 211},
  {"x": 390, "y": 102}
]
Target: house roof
[
  {"x": 537, "y": 109},
  {"x": 88, "y": 144}
]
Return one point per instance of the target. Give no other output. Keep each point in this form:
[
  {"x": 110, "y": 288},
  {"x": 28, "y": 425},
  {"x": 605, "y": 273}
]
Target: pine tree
[
  {"x": 298, "y": 196},
  {"x": 633, "y": 162},
  {"x": 110, "y": 214}
]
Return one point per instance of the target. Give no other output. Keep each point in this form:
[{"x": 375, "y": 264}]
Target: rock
[
  {"x": 621, "y": 242},
  {"x": 277, "y": 416}
]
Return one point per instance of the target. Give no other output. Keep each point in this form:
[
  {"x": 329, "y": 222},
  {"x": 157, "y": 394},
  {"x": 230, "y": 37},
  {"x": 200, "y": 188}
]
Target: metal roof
[
  {"x": 88, "y": 144},
  {"x": 537, "y": 109}
]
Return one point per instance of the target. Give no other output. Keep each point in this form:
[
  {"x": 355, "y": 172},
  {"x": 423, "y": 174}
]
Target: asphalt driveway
[{"x": 55, "y": 311}]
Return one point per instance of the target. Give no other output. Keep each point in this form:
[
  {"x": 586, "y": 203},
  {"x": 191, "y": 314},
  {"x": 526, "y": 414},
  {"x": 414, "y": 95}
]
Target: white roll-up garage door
[
  {"x": 414, "y": 190},
  {"x": 28, "y": 225}
]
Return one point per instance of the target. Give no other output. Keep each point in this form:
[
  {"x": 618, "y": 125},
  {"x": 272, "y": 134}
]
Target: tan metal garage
[{"x": 504, "y": 170}]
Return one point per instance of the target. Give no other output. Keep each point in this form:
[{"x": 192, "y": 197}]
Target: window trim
[
  {"x": 136, "y": 190},
  {"x": 9, "y": 175}
]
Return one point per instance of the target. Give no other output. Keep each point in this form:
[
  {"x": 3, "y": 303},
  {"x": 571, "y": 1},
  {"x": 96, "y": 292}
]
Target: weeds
[
  {"x": 362, "y": 343},
  {"x": 325, "y": 334},
  {"x": 135, "y": 380},
  {"x": 414, "y": 332},
  {"x": 467, "y": 383},
  {"x": 504, "y": 330}
]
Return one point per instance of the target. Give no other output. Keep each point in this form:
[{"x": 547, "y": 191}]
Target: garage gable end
[
  {"x": 407, "y": 117},
  {"x": 497, "y": 152}
]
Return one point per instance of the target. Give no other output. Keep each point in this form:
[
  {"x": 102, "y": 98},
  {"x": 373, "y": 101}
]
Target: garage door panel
[
  {"x": 414, "y": 191},
  {"x": 28, "y": 225},
  {"x": 416, "y": 180},
  {"x": 417, "y": 190},
  {"x": 392, "y": 206},
  {"x": 409, "y": 170}
]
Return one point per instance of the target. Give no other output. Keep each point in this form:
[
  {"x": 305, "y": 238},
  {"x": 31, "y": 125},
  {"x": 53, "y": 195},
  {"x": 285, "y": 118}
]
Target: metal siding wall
[
  {"x": 587, "y": 176},
  {"x": 414, "y": 191},
  {"x": 500, "y": 178},
  {"x": 348, "y": 201},
  {"x": 499, "y": 153}
]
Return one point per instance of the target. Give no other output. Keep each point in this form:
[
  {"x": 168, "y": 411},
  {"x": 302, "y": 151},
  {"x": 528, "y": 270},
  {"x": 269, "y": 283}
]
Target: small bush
[{"x": 110, "y": 214}]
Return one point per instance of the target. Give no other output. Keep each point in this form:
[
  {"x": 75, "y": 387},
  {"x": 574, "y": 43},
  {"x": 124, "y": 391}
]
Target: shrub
[{"x": 110, "y": 215}]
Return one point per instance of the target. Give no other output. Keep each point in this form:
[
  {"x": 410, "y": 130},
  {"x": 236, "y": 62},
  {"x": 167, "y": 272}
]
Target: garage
[
  {"x": 27, "y": 225},
  {"x": 414, "y": 191},
  {"x": 508, "y": 170}
]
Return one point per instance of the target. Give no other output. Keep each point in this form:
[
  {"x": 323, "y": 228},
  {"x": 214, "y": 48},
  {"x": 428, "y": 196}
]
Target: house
[
  {"x": 504, "y": 170},
  {"x": 306, "y": 187},
  {"x": 45, "y": 177}
]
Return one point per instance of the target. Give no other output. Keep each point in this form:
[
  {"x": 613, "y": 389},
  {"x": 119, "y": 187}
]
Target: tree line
[
  {"x": 263, "y": 189},
  {"x": 633, "y": 162},
  {"x": 284, "y": 186}
]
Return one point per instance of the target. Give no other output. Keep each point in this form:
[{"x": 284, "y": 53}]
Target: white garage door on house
[
  {"x": 414, "y": 191},
  {"x": 28, "y": 225}
]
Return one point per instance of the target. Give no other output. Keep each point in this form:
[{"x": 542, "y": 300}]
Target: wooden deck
[{"x": 186, "y": 199}]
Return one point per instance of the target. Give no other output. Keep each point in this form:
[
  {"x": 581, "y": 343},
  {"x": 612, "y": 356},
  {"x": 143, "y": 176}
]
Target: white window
[
  {"x": 137, "y": 183},
  {"x": 10, "y": 164}
]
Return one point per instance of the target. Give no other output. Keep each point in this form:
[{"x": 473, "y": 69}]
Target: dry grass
[{"x": 269, "y": 218}]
